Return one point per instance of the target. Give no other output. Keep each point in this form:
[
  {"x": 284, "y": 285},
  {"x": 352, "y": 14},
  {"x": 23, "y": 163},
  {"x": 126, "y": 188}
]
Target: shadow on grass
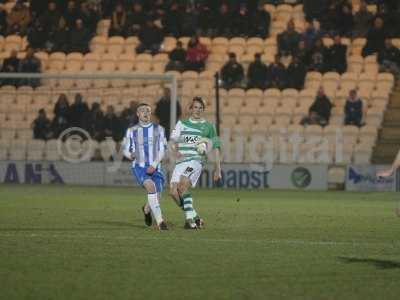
[
  {"x": 118, "y": 224},
  {"x": 110, "y": 226},
  {"x": 378, "y": 263}
]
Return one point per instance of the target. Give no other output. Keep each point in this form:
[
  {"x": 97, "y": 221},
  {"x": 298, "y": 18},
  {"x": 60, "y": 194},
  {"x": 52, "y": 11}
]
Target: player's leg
[
  {"x": 188, "y": 180},
  {"x": 140, "y": 173},
  {"x": 152, "y": 199}
]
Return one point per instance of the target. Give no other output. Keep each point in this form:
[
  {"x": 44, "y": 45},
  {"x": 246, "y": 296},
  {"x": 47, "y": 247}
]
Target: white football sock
[
  {"x": 155, "y": 207},
  {"x": 147, "y": 208}
]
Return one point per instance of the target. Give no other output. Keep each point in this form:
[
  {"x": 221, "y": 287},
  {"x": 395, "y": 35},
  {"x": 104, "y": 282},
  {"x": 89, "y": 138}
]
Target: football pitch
[{"x": 60, "y": 242}]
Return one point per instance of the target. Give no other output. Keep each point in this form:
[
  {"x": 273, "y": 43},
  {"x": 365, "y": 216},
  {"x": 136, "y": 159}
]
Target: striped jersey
[
  {"x": 147, "y": 143},
  {"x": 187, "y": 134}
]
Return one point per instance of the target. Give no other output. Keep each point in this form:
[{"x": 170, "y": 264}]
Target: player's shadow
[
  {"x": 117, "y": 224},
  {"x": 378, "y": 263}
]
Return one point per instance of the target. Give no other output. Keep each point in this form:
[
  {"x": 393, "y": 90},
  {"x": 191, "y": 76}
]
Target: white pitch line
[{"x": 159, "y": 238}]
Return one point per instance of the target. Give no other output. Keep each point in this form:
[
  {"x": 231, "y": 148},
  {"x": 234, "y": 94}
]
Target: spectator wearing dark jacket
[
  {"x": 37, "y": 35},
  {"x": 150, "y": 38},
  {"x": 310, "y": 35},
  {"x": 196, "y": 55},
  {"x": 224, "y": 21},
  {"x": 353, "y": 110},
  {"x": 59, "y": 40},
  {"x": 375, "y": 38},
  {"x": 119, "y": 21},
  {"x": 177, "y": 58},
  {"x": 112, "y": 124},
  {"x": 241, "y": 22},
  {"x": 50, "y": 18},
  {"x": 190, "y": 20},
  {"x": 337, "y": 56},
  {"x": 136, "y": 19},
  {"x": 61, "y": 116},
  {"x": 362, "y": 21},
  {"x": 257, "y": 73},
  {"x": 389, "y": 58},
  {"x": 345, "y": 21},
  {"x": 95, "y": 122},
  {"x": 288, "y": 40},
  {"x": 10, "y": 65},
  {"x": 277, "y": 74},
  {"x": 320, "y": 111},
  {"x": 18, "y": 19},
  {"x": 296, "y": 74},
  {"x": 78, "y": 111},
  {"x": 41, "y": 126},
  {"x": 315, "y": 9},
  {"x": 3, "y": 21},
  {"x": 232, "y": 73},
  {"x": 319, "y": 57},
  {"x": 163, "y": 111},
  {"x": 261, "y": 22},
  {"x": 79, "y": 38},
  {"x": 30, "y": 64},
  {"x": 172, "y": 21},
  {"x": 71, "y": 14}
]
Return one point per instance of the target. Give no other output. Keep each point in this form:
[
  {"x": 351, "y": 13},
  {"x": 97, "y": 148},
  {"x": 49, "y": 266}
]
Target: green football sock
[{"x": 190, "y": 212}]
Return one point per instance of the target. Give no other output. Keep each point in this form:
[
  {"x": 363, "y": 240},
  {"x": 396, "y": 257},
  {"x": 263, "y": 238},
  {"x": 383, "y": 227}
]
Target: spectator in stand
[
  {"x": 288, "y": 40},
  {"x": 261, "y": 22},
  {"x": 50, "y": 18},
  {"x": 189, "y": 21},
  {"x": 37, "y": 35},
  {"x": 18, "y": 19},
  {"x": 232, "y": 73},
  {"x": 90, "y": 16},
  {"x": 150, "y": 38},
  {"x": 224, "y": 21},
  {"x": 257, "y": 74},
  {"x": 209, "y": 20},
  {"x": 79, "y": 38},
  {"x": 78, "y": 112},
  {"x": 41, "y": 126},
  {"x": 111, "y": 124},
  {"x": 30, "y": 64},
  {"x": 196, "y": 55},
  {"x": 310, "y": 35},
  {"x": 345, "y": 22},
  {"x": 129, "y": 116},
  {"x": 61, "y": 116},
  {"x": 10, "y": 65},
  {"x": 172, "y": 20},
  {"x": 362, "y": 21},
  {"x": 163, "y": 111},
  {"x": 118, "y": 21},
  {"x": 277, "y": 75},
  {"x": 296, "y": 74},
  {"x": 389, "y": 58},
  {"x": 319, "y": 57},
  {"x": 353, "y": 110},
  {"x": 177, "y": 58},
  {"x": 241, "y": 22},
  {"x": 303, "y": 53},
  {"x": 136, "y": 19},
  {"x": 59, "y": 40},
  {"x": 375, "y": 38},
  {"x": 320, "y": 111},
  {"x": 3, "y": 21},
  {"x": 337, "y": 56},
  {"x": 71, "y": 14},
  {"x": 95, "y": 122},
  {"x": 315, "y": 9}
]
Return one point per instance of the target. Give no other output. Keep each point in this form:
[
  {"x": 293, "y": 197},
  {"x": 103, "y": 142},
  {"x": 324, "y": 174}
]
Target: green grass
[{"x": 91, "y": 243}]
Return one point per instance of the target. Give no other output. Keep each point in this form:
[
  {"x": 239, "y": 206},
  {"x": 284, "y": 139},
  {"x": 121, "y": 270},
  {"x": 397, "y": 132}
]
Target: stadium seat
[
  {"x": 116, "y": 45},
  {"x": 98, "y": 44}
]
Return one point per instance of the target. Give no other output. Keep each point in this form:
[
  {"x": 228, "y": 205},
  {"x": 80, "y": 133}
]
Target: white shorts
[{"x": 190, "y": 169}]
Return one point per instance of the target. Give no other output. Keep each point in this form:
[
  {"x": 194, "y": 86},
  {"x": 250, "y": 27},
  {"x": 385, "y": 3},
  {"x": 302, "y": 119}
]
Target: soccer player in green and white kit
[{"x": 187, "y": 135}]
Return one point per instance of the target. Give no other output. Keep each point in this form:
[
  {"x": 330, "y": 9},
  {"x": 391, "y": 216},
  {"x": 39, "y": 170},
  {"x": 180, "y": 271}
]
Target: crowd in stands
[{"x": 98, "y": 123}]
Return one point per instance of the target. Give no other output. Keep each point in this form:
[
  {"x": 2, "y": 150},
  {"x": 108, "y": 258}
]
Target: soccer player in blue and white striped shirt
[{"x": 145, "y": 145}]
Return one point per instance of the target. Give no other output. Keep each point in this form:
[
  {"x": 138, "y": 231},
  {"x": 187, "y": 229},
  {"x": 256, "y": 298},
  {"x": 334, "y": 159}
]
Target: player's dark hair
[{"x": 198, "y": 100}]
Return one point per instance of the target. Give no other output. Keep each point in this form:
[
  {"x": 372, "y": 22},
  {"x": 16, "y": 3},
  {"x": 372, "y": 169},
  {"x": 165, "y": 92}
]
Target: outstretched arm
[
  {"x": 129, "y": 145},
  {"x": 217, "y": 168}
]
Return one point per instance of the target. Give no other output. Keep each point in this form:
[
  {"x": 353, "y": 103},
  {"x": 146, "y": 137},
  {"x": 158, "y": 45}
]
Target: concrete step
[{"x": 390, "y": 133}]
